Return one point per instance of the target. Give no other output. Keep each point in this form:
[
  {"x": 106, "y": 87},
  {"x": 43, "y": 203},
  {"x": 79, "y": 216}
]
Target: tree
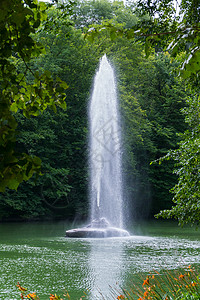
[
  {"x": 180, "y": 34},
  {"x": 151, "y": 98},
  {"x": 187, "y": 158},
  {"x": 87, "y": 13},
  {"x": 161, "y": 27},
  {"x": 151, "y": 101},
  {"x": 19, "y": 20},
  {"x": 58, "y": 138},
  {"x": 176, "y": 27}
]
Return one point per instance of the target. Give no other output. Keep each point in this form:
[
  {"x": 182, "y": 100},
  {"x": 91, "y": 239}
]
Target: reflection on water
[
  {"x": 145, "y": 253},
  {"x": 113, "y": 261},
  {"x": 106, "y": 264},
  {"x": 40, "y": 258}
]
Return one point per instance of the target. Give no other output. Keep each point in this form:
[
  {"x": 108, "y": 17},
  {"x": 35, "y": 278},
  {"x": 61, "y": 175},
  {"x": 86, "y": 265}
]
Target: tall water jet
[
  {"x": 104, "y": 159},
  {"x": 105, "y": 148}
]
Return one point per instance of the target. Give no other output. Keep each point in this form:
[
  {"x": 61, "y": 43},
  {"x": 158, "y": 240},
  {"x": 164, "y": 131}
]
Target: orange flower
[
  {"x": 140, "y": 298},
  {"x": 21, "y": 288},
  {"x": 31, "y": 296},
  {"x": 145, "y": 294},
  {"x": 181, "y": 276},
  {"x": 146, "y": 281},
  {"x": 194, "y": 284},
  {"x": 121, "y": 297}
]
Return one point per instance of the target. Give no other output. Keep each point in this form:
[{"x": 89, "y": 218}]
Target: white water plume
[{"x": 105, "y": 148}]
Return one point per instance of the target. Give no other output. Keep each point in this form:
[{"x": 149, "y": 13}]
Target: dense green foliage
[
  {"x": 150, "y": 96},
  {"x": 161, "y": 26},
  {"x": 187, "y": 190},
  {"x": 19, "y": 20},
  {"x": 180, "y": 34},
  {"x": 59, "y": 139},
  {"x": 151, "y": 104},
  {"x": 173, "y": 26}
]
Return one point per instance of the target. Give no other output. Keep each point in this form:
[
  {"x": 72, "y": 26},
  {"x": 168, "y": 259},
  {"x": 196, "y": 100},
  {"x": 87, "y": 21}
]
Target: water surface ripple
[{"x": 49, "y": 263}]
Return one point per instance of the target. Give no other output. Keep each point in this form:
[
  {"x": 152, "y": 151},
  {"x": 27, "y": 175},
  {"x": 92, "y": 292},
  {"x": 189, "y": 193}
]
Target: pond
[{"x": 42, "y": 259}]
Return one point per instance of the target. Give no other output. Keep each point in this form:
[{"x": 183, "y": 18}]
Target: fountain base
[
  {"x": 97, "y": 229},
  {"x": 86, "y": 232}
]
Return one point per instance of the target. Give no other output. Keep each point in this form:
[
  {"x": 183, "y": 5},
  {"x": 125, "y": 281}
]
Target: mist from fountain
[
  {"x": 105, "y": 148},
  {"x": 106, "y": 200}
]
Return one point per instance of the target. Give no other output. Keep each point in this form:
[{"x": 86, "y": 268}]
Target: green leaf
[
  {"x": 14, "y": 107},
  {"x": 13, "y": 184}
]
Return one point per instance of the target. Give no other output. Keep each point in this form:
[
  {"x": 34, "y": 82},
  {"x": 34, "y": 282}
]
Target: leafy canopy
[
  {"x": 164, "y": 26},
  {"x": 178, "y": 31},
  {"x": 19, "y": 20}
]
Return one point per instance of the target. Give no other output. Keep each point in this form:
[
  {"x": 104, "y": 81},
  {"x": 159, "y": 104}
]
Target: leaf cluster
[
  {"x": 19, "y": 20},
  {"x": 187, "y": 157}
]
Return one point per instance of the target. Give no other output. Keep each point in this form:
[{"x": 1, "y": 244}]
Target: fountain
[{"x": 104, "y": 159}]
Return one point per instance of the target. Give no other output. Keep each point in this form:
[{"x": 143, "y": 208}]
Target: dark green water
[{"x": 42, "y": 259}]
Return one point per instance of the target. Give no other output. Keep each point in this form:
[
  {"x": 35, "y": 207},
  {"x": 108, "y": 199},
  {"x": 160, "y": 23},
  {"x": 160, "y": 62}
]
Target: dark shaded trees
[
  {"x": 173, "y": 26},
  {"x": 181, "y": 35},
  {"x": 58, "y": 137},
  {"x": 150, "y": 97},
  {"x": 151, "y": 104},
  {"x": 19, "y": 20}
]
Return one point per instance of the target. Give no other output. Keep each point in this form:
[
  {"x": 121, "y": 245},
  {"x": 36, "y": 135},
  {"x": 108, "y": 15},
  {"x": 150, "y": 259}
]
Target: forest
[{"x": 155, "y": 104}]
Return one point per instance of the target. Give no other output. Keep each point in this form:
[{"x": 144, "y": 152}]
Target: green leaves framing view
[{"x": 48, "y": 56}]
